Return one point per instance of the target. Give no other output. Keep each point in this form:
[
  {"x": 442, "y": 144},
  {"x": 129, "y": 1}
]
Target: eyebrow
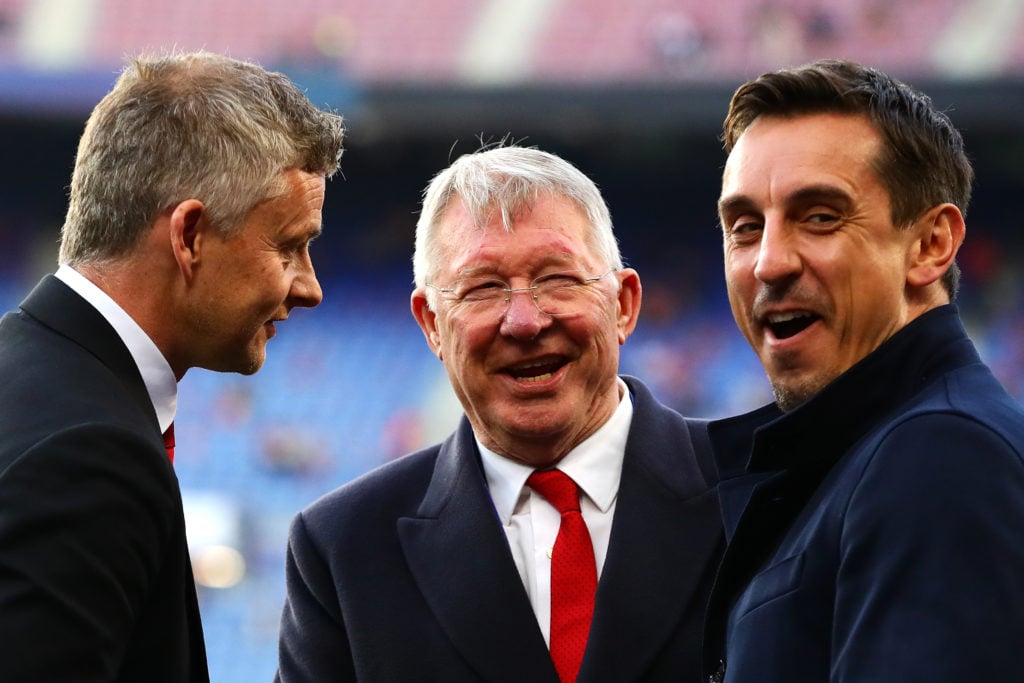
[
  {"x": 735, "y": 204},
  {"x": 809, "y": 194},
  {"x": 559, "y": 259},
  {"x": 310, "y": 234}
]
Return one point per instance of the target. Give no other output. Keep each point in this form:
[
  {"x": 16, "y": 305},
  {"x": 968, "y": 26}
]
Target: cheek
[
  {"x": 600, "y": 331},
  {"x": 457, "y": 342},
  {"x": 738, "y": 269}
]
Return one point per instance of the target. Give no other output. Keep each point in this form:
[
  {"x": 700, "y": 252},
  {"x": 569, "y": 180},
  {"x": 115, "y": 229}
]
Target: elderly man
[{"x": 567, "y": 530}]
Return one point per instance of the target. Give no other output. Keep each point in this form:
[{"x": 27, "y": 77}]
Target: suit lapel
[
  {"x": 665, "y": 536},
  {"x": 460, "y": 559},
  {"x": 57, "y": 306}
]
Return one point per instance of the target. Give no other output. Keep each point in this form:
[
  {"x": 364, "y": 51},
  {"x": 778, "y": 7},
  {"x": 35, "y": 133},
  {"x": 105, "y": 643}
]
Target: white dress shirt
[
  {"x": 531, "y": 522},
  {"x": 156, "y": 372}
]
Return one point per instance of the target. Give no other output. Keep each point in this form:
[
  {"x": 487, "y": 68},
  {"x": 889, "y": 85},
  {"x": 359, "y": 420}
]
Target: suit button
[{"x": 719, "y": 674}]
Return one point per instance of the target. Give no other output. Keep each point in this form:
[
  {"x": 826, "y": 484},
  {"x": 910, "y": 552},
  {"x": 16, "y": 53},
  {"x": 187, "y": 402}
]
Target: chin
[
  {"x": 543, "y": 426},
  {"x": 785, "y": 398},
  {"x": 252, "y": 369},
  {"x": 250, "y": 363},
  {"x": 793, "y": 392}
]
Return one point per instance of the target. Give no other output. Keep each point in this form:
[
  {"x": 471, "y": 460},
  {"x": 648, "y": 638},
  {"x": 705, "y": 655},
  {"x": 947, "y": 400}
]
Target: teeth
[
  {"x": 522, "y": 372},
  {"x": 775, "y": 318}
]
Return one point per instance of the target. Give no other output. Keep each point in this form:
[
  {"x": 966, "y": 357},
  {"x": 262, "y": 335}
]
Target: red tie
[
  {"x": 573, "y": 573},
  {"x": 169, "y": 442}
]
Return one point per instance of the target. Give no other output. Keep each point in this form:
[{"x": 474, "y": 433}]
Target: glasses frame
[{"x": 532, "y": 289}]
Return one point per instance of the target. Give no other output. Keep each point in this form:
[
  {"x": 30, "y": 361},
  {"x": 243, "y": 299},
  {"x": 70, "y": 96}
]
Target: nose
[
  {"x": 305, "y": 291},
  {"x": 522, "y": 318},
  {"x": 777, "y": 259}
]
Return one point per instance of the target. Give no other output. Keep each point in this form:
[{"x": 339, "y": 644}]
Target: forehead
[
  {"x": 297, "y": 203},
  {"x": 553, "y": 231},
  {"x": 775, "y": 156}
]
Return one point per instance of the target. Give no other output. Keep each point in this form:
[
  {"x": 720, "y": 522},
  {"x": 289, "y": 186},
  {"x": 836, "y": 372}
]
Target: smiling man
[
  {"x": 875, "y": 515},
  {"x": 197, "y": 188},
  {"x": 567, "y": 530}
]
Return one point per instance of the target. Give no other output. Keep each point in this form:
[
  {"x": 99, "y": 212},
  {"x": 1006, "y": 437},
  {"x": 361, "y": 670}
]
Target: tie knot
[{"x": 557, "y": 487}]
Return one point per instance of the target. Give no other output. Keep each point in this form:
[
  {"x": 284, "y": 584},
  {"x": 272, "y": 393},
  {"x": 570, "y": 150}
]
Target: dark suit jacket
[
  {"x": 406, "y": 574},
  {"x": 95, "y": 580},
  {"x": 876, "y": 533}
]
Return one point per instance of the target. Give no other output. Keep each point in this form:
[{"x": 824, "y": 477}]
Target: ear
[
  {"x": 188, "y": 227},
  {"x": 426, "y": 319},
  {"x": 939, "y": 234},
  {"x": 629, "y": 297}
]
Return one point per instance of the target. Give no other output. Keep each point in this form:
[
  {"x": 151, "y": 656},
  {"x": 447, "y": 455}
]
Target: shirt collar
[
  {"x": 156, "y": 372},
  {"x": 595, "y": 464}
]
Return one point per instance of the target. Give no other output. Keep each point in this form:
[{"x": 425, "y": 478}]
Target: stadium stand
[{"x": 351, "y": 384}]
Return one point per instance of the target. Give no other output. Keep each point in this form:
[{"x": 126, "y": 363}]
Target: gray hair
[
  {"x": 189, "y": 126},
  {"x": 509, "y": 180}
]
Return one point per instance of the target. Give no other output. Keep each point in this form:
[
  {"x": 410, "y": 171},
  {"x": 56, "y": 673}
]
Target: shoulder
[
  {"x": 57, "y": 396},
  {"x": 945, "y": 446},
  {"x": 939, "y": 470},
  {"x": 652, "y": 416},
  {"x": 675, "y": 447},
  {"x": 384, "y": 493},
  {"x": 61, "y": 396},
  {"x": 966, "y": 420}
]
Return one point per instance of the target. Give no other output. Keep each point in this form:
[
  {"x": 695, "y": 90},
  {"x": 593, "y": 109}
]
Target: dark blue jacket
[
  {"x": 876, "y": 532},
  {"x": 406, "y": 574}
]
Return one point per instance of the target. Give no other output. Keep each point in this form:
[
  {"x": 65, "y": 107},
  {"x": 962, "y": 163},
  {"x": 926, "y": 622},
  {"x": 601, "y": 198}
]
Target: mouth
[
  {"x": 535, "y": 371},
  {"x": 789, "y": 324}
]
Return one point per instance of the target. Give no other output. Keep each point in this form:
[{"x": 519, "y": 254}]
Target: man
[
  {"x": 447, "y": 564},
  {"x": 875, "y": 517},
  {"x": 197, "y": 188}
]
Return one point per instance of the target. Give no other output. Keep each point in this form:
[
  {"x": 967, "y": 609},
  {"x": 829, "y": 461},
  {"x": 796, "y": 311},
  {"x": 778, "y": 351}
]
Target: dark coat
[
  {"x": 95, "y": 579},
  {"x": 406, "y": 574},
  {"x": 876, "y": 532}
]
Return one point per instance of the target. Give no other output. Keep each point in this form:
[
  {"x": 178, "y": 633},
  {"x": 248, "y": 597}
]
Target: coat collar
[
  {"x": 767, "y": 440},
  {"x": 664, "y": 537},
  {"x": 885, "y": 379},
  {"x": 772, "y": 462},
  {"x": 58, "y": 307},
  {"x": 460, "y": 558}
]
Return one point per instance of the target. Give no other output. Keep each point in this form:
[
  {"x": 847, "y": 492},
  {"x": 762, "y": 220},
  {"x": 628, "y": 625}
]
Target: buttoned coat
[
  {"x": 406, "y": 574},
  {"x": 875, "y": 532},
  {"x": 95, "y": 579}
]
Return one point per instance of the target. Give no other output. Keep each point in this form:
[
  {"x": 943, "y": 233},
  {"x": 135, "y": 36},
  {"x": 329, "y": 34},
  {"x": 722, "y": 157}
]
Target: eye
[
  {"x": 744, "y": 230},
  {"x": 293, "y": 248},
  {"x": 478, "y": 289},
  {"x": 821, "y": 220},
  {"x": 555, "y": 281}
]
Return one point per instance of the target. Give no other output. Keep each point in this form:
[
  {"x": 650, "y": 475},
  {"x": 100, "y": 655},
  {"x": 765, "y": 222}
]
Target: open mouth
[
  {"x": 535, "y": 372},
  {"x": 786, "y": 325}
]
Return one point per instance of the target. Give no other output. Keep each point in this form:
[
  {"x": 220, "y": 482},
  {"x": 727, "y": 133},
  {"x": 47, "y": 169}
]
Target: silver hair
[
  {"x": 507, "y": 179},
  {"x": 189, "y": 126}
]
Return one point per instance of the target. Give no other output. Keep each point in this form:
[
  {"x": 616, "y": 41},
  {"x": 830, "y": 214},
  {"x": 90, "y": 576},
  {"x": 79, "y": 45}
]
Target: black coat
[
  {"x": 95, "y": 579},
  {"x": 406, "y": 574}
]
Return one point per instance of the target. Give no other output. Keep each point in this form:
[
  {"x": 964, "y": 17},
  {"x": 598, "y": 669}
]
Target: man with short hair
[
  {"x": 875, "y": 512},
  {"x": 197, "y": 188},
  {"x": 568, "y": 529}
]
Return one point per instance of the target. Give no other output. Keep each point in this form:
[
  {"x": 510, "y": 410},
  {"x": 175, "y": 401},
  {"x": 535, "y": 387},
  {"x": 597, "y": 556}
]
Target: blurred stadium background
[{"x": 632, "y": 91}]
